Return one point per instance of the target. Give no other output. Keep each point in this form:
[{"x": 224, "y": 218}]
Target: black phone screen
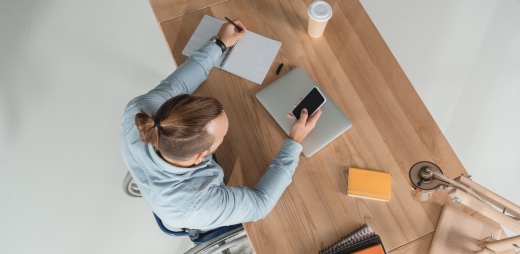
[{"x": 311, "y": 102}]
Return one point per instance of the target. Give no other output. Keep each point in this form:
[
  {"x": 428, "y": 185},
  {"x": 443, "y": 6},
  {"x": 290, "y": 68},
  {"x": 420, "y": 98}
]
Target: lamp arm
[
  {"x": 504, "y": 244},
  {"x": 485, "y": 209},
  {"x": 456, "y": 185},
  {"x": 491, "y": 197}
]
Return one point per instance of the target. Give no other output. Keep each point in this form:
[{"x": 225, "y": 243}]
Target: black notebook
[{"x": 360, "y": 239}]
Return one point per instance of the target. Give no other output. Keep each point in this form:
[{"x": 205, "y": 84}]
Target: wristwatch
[{"x": 216, "y": 40}]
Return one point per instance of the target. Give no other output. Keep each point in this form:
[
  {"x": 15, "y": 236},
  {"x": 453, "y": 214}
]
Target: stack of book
[{"x": 361, "y": 241}]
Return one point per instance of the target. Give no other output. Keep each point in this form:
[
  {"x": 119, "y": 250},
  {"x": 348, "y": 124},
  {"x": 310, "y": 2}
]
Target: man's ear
[{"x": 199, "y": 156}]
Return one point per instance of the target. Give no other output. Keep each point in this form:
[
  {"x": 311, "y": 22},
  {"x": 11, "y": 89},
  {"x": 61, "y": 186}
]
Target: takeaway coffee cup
[{"x": 319, "y": 14}]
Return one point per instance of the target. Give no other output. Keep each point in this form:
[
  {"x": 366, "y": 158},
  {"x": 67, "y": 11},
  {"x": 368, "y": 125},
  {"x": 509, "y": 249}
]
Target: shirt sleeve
[
  {"x": 187, "y": 77},
  {"x": 223, "y": 205}
]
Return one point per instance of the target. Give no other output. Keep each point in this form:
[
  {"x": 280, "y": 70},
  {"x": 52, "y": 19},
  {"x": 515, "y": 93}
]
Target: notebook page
[
  {"x": 208, "y": 27},
  {"x": 251, "y": 58}
]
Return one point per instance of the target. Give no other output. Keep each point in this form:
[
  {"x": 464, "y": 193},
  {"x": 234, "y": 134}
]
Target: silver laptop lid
[{"x": 278, "y": 99}]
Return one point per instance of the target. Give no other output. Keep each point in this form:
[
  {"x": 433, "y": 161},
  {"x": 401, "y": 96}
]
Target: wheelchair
[{"x": 226, "y": 240}]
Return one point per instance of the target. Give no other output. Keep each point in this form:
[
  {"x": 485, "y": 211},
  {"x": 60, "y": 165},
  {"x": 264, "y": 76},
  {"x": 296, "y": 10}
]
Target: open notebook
[{"x": 251, "y": 57}]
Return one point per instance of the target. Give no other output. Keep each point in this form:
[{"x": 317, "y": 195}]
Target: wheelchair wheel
[
  {"x": 130, "y": 187},
  {"x": 232, "y": 242}
]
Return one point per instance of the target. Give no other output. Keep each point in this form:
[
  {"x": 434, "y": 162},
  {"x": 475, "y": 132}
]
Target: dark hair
[{"x": 178, "y": 129}]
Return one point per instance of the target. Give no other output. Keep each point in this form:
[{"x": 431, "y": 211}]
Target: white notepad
[{"x": 251, "y": 57}]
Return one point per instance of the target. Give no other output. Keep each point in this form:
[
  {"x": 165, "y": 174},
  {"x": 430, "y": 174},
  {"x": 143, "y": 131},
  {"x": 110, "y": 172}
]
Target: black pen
[
  {"x": 279, "y": 69},
  {"x": 237, "y": 28}
]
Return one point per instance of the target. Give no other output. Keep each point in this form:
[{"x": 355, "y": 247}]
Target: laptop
[{"x": 278, "y": 99}]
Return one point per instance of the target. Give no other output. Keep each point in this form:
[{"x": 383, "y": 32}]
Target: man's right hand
[
  {"x": 304, "y": 125},
  {"x": 229, "y": 36}
]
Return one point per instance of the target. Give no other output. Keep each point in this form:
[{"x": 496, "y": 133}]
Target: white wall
[
  {"x": 463, "y": 58},
  {"x": 67, "y": 69}
]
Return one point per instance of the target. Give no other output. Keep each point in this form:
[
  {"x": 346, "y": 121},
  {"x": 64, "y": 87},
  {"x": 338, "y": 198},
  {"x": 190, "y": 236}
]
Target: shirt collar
[{"x": 174, "y": 169}]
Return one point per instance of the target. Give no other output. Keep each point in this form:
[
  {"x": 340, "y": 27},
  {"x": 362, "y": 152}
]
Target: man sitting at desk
[{"x": 168, "y": 137}]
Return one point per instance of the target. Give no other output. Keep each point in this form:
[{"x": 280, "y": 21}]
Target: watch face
[{"x": 214, "y": 38}]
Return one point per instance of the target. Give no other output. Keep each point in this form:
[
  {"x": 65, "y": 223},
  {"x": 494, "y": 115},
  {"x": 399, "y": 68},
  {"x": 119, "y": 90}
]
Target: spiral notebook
[
  {"x": 361, "y": 241},
  {"x": 250, "y": 58}
]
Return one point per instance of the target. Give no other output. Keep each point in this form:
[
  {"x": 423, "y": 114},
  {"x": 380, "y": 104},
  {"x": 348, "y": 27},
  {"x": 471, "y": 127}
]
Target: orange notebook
[
  {"x": 376, "y": 249},
  {"x": 370, "y": 184}
]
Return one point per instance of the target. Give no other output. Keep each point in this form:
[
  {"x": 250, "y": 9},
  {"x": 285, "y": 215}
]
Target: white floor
[{"x": 68, "y": 67}]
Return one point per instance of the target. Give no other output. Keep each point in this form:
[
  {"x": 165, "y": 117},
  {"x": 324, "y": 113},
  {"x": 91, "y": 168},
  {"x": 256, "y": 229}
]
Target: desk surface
[{"x": 392, "y": 129}]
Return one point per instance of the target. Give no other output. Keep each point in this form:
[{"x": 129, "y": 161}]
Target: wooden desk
[{"x": 392, "y": 128}]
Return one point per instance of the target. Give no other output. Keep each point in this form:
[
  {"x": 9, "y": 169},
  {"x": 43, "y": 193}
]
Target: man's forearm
[
  {"x": 187, "y": 77},
  {"x": 279, "y": 174}
]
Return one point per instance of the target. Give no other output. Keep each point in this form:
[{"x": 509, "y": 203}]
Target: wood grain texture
[
  {"x": 422, "y": 245},
  {"x": 419, "y": 246},
  {"x": 458, "y": 232},
  {"x": 392, "y": 129},
  {"x": 168, "y": 9}
]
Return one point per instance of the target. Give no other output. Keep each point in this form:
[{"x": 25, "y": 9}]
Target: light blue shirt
[{"x": 197, "y": 197}]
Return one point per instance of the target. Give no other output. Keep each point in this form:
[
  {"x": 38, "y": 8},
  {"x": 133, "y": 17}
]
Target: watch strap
[{"x": 221, "y": 45}]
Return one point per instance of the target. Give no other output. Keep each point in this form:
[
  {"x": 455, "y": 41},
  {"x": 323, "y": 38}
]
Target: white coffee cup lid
[{"x": 320, "y": 11}]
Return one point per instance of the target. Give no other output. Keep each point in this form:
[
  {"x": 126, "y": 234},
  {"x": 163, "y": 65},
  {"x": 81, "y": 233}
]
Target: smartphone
[{"x": 312, "y": 102}]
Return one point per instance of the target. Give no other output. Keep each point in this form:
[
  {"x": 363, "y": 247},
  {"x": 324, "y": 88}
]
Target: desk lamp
[{"x": 426, "y": 178}]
